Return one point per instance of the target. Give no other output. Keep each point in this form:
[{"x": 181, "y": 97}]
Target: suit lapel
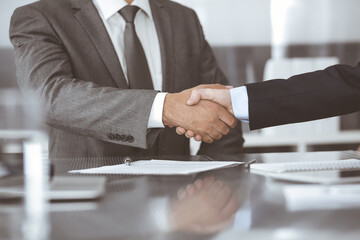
[
  {"x": 162, "y": 20},
  {"x": 90, "y": 20}
]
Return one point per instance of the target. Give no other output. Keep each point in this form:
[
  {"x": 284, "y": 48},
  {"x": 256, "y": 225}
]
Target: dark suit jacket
[
  {"x": 320, "y": 94},
  {"x": 65, "y": 55}
]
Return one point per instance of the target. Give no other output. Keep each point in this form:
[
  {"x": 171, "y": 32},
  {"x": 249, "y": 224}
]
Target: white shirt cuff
[
  {"x": 240, "y": 103},
  {"x": 155, "y": 118}
]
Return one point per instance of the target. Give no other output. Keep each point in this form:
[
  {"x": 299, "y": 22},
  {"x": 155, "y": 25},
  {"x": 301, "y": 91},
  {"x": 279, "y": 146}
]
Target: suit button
[
  {"x": 130, "y": 139},
  {"x": 111, "y": 136},
  {"x": 117, "y": 137},
  {"x": 123, "y": 138}
]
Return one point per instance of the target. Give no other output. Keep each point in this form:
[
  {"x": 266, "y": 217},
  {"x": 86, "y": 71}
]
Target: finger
[
  {"x": 222, "y": 128},
  {"x": 181, "y": 194},
  {"x": 199, "y": 94},
  {"x": 227, "y": 118},
  {"x": 198, "y": 138},
  {"x": 207, "y": 139},
  {"x": 194, "y": 98},
  {"x": 180, "y": 131},
  {"x": 189, "y": 134},
  {"x": 215, "y": 187},
  {"x": 190, "y": 189},
  {"x": 223, "y": 196},
  {"x": 208, "y": 180},
  {"x": 214, "y": 134},
  {"x": 231, "y": 207},
  {"x": 199, "y": 184}
]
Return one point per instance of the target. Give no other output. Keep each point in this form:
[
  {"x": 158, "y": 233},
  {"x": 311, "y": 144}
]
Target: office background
[{"x": 245, "y": 35}]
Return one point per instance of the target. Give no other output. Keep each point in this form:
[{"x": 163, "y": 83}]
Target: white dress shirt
[
  {"x": 146, "y": 31},
  {"x": 240, "y": 103}
]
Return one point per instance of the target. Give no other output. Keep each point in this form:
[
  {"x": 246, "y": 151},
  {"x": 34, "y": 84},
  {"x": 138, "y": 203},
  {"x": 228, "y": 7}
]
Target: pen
[
  {"x": 127, "y": 161},
  {"x": 247, "y": 165}
]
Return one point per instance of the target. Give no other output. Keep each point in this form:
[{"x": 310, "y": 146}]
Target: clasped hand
[{"x": 200, "y": 113}]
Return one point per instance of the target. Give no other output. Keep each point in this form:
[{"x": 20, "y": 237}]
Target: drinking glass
[{"x": 23, "y": 147}]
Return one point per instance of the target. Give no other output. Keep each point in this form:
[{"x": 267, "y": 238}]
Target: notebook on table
[{"x": 326, "y": 172}]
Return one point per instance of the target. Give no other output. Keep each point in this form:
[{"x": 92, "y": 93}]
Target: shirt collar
[{"x": 110, "y": 7}]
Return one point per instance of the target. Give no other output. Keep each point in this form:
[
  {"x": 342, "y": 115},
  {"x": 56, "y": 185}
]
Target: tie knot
[{"x": 128, "y": 13}]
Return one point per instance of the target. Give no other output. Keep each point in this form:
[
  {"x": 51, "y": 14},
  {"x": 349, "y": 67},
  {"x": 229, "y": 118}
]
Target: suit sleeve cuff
[
  {"x": 155, "y": 118},
  {"x": 240, "y": 103}
]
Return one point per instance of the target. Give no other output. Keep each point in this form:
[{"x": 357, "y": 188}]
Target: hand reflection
[{"x": 206, "y": 206}]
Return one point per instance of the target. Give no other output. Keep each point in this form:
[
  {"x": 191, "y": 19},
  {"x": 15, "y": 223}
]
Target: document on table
[{"x": 159, "y": 167}]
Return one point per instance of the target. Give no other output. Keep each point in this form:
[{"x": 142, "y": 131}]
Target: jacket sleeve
[
  {"x": 75, "y": 105},
  {"x": 326, "y": 93}
]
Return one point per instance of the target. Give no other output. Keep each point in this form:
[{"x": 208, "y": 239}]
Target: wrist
[{"x": 167, "y": 110}]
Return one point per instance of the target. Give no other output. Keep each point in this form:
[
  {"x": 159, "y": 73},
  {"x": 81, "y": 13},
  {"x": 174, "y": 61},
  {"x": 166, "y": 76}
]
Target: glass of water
[{"x": 23, "y": 144}]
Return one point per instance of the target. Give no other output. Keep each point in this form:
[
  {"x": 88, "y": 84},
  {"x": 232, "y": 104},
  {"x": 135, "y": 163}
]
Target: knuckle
[
  {"x": 208, "y": 139},
  {"x": 218, "y": 136},
  {"x": 198, "y": 138},
  {"x": 233, "y": 122},
  {"x": 179, "y": 131}
]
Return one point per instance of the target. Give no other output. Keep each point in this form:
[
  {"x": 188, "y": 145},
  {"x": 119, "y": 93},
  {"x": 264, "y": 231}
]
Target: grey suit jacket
[{"x": 64, "y": 54}]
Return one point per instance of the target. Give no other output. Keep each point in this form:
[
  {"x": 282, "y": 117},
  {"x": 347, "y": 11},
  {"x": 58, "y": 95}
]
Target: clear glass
[{"x": 23, "y": 156}]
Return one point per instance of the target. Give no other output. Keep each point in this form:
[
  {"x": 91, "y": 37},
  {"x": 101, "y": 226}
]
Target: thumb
[{"x": 194, "y": 98}]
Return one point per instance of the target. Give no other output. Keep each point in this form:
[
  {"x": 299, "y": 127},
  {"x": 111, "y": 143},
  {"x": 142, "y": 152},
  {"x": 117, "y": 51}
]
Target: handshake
[{"x": 204, "y": 112}]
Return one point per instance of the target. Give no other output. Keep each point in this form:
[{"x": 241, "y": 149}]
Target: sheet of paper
[
  {"x": 159, "y": 167},
  {"x": 320, "y": 197}
]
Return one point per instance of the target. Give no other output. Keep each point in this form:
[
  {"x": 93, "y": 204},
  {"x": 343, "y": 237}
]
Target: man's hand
[
  {"x": 206, "y": 119},
  {"x": 220, "y": 96}
]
